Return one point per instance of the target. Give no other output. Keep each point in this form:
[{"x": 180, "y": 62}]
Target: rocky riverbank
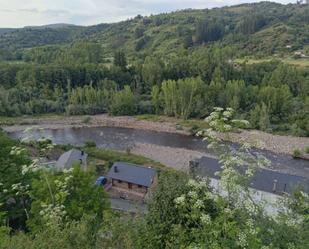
[
  {"x": 274, "y": 143},
  {"x": 176, "y": 158},
  {"x": 179, "y": 158}
]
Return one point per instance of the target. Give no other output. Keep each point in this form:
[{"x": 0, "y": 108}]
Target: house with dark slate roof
[
  {"x": 131, "y": 179},
  {"x": 70, "y": 158},
  {"x": 265, "y": 180}
]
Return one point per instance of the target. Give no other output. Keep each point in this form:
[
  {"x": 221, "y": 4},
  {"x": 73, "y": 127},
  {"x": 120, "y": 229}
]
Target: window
[
  {"x": 140, "y": 186},
  {"x": 130, "y": 185},
  {"x": 119, "y": 181}
]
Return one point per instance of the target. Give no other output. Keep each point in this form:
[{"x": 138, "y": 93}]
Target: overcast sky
[{"x": 20, "y": 13}]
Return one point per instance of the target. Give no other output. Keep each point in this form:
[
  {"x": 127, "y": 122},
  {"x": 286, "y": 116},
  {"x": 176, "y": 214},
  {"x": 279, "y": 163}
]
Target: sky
[{"x": 20, "y": 13}]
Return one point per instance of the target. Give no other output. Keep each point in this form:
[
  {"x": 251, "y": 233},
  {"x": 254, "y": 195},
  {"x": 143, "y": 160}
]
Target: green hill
[
  {"x": 180, "y": 64},
  {"x": 254, "y": 29}
]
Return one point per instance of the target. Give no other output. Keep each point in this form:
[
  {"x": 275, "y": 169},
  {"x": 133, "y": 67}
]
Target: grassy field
[
  {"x": 111, "y": 156},
  {"x": 296, "y": 62}
]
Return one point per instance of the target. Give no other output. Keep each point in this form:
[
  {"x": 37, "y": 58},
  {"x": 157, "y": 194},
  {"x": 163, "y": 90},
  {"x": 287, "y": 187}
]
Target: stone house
[{"x": 131, "y": 181}]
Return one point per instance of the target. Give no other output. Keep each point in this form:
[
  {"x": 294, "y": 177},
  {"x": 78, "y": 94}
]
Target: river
[{"x": 122, "y": 138}]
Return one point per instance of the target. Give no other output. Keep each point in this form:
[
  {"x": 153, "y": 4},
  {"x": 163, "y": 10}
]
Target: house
[
  {"x": 131, "y": 181},
  {"x": 265, "y": 180},
  {"x": 68, "y": 159}
]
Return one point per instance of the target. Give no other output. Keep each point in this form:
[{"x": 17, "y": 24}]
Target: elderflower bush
[
  {"x": 54, "y": 213},
  {"x": 231, "y": 216},
  {"x": 238, "y": 165},
  {"x": 17, "y": 151},
  {"x": 197, "y": 202}
]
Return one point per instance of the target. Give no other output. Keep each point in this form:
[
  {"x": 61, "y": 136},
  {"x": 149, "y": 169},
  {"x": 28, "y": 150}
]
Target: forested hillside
[
  {"x": 180, "y": 64},
  {"x": 263, "y": 28}
]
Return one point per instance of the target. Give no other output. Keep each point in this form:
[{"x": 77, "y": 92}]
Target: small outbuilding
[
  {"x": 68, "y": 159},
  {"x": 131, "y": 178}
]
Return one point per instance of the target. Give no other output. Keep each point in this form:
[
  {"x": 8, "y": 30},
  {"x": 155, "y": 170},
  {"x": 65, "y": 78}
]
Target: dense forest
[{"x": 179, "y": 64}]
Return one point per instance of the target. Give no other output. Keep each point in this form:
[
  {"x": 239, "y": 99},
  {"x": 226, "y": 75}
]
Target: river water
[{"x": 122, "y": 138}]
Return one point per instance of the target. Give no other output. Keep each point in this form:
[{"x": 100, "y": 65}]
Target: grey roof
[
  {"x": 263, "y": 180},
  {"x": 71, "y": 157},
  {"x": 132, "y": 173}
]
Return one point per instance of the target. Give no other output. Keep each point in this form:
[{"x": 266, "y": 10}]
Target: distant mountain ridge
[
  {"x": 6, "y": 30},
  {"x": 259, "y": 28},
  {"x": 53, "y": 26}
]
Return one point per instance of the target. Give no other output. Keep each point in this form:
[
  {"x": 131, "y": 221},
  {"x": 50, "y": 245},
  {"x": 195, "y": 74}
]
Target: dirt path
[{"x": 274, "y": 143}]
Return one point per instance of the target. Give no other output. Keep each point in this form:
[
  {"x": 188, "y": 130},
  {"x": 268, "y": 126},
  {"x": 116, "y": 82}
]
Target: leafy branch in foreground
[{"x": 239, "y": 163}]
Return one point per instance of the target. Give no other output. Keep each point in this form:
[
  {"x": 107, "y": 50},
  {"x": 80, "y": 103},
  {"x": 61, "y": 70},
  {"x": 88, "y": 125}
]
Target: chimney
[
  {"x": 275, "y": 186},
  {"x": 284, "y": 189},
  {"x": 193, "y": 167},
  {"x": 116, "y": 169}
]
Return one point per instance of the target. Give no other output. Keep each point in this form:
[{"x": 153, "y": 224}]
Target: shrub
[
  {"x": 145, "y": 107},
  {"x": 90, "y": 144},
  {"x": 297, "y": 153},
  {"x": 123, "y": 103},
  {"x": 307, "y": 149},
  {"x": 86, "y": 120}
]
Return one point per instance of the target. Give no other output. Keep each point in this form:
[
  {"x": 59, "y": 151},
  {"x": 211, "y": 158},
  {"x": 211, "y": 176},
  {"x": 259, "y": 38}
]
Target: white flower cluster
[
  {"x": 242, "y": 240},
  {"x": 304, "y": 195},
  {"x": 265, "y": 247},
  {"x": 249, "y": 206},
  {"x": 20, "y": 189},
  {"x": 199, "y": 184},
  {"x": 66, "y": 171},
  {"x": 195, "y": 200},
  {"x": 291, "y": 246},
  {"x": 240, "y": 122},
  {"x": 16, "y": 151},
  {"x": 205, "y": 219},
  {"x": 62, "y": 188},
  {"x": 33, "y": 167},
  {"x": 291, "y": 222},
  {"x": 180, "y": 200},
  {"x": 251, "y": 227},
  {"x": 55, "y": 213},
  {"x": 198, "y": 204},
  {"x": 52, "y": 214},
  {"x": 250, "y": 172}
]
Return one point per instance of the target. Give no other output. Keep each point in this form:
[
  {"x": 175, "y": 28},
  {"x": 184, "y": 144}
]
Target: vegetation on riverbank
[
  {"x": 111, "y": 156},
  {"x": 180, "y": 64},
  {"x": 192, "y": 125}
]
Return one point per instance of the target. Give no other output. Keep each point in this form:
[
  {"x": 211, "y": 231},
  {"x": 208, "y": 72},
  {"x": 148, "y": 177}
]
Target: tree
[
  {"x": 187, "y": 94},
  {"x": 264, "y": 118},
  {"x": 289, "y": 75},
  {"x": 139, "y": 32},
  {"x": 14, "y": 202},
  {"x": 67, "y": 196},
  {"x": 156, "y": 99},
  {"x": 208, "y": 31},
  {"x": 123, "y": 102},
  {"x": 251, "y": 24},
  {"x": 169, "y": 91},
  {"x": 120, "y": 59},
  {"x": 162, "y": 210},
  {"x": 152, "y": 72}
]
